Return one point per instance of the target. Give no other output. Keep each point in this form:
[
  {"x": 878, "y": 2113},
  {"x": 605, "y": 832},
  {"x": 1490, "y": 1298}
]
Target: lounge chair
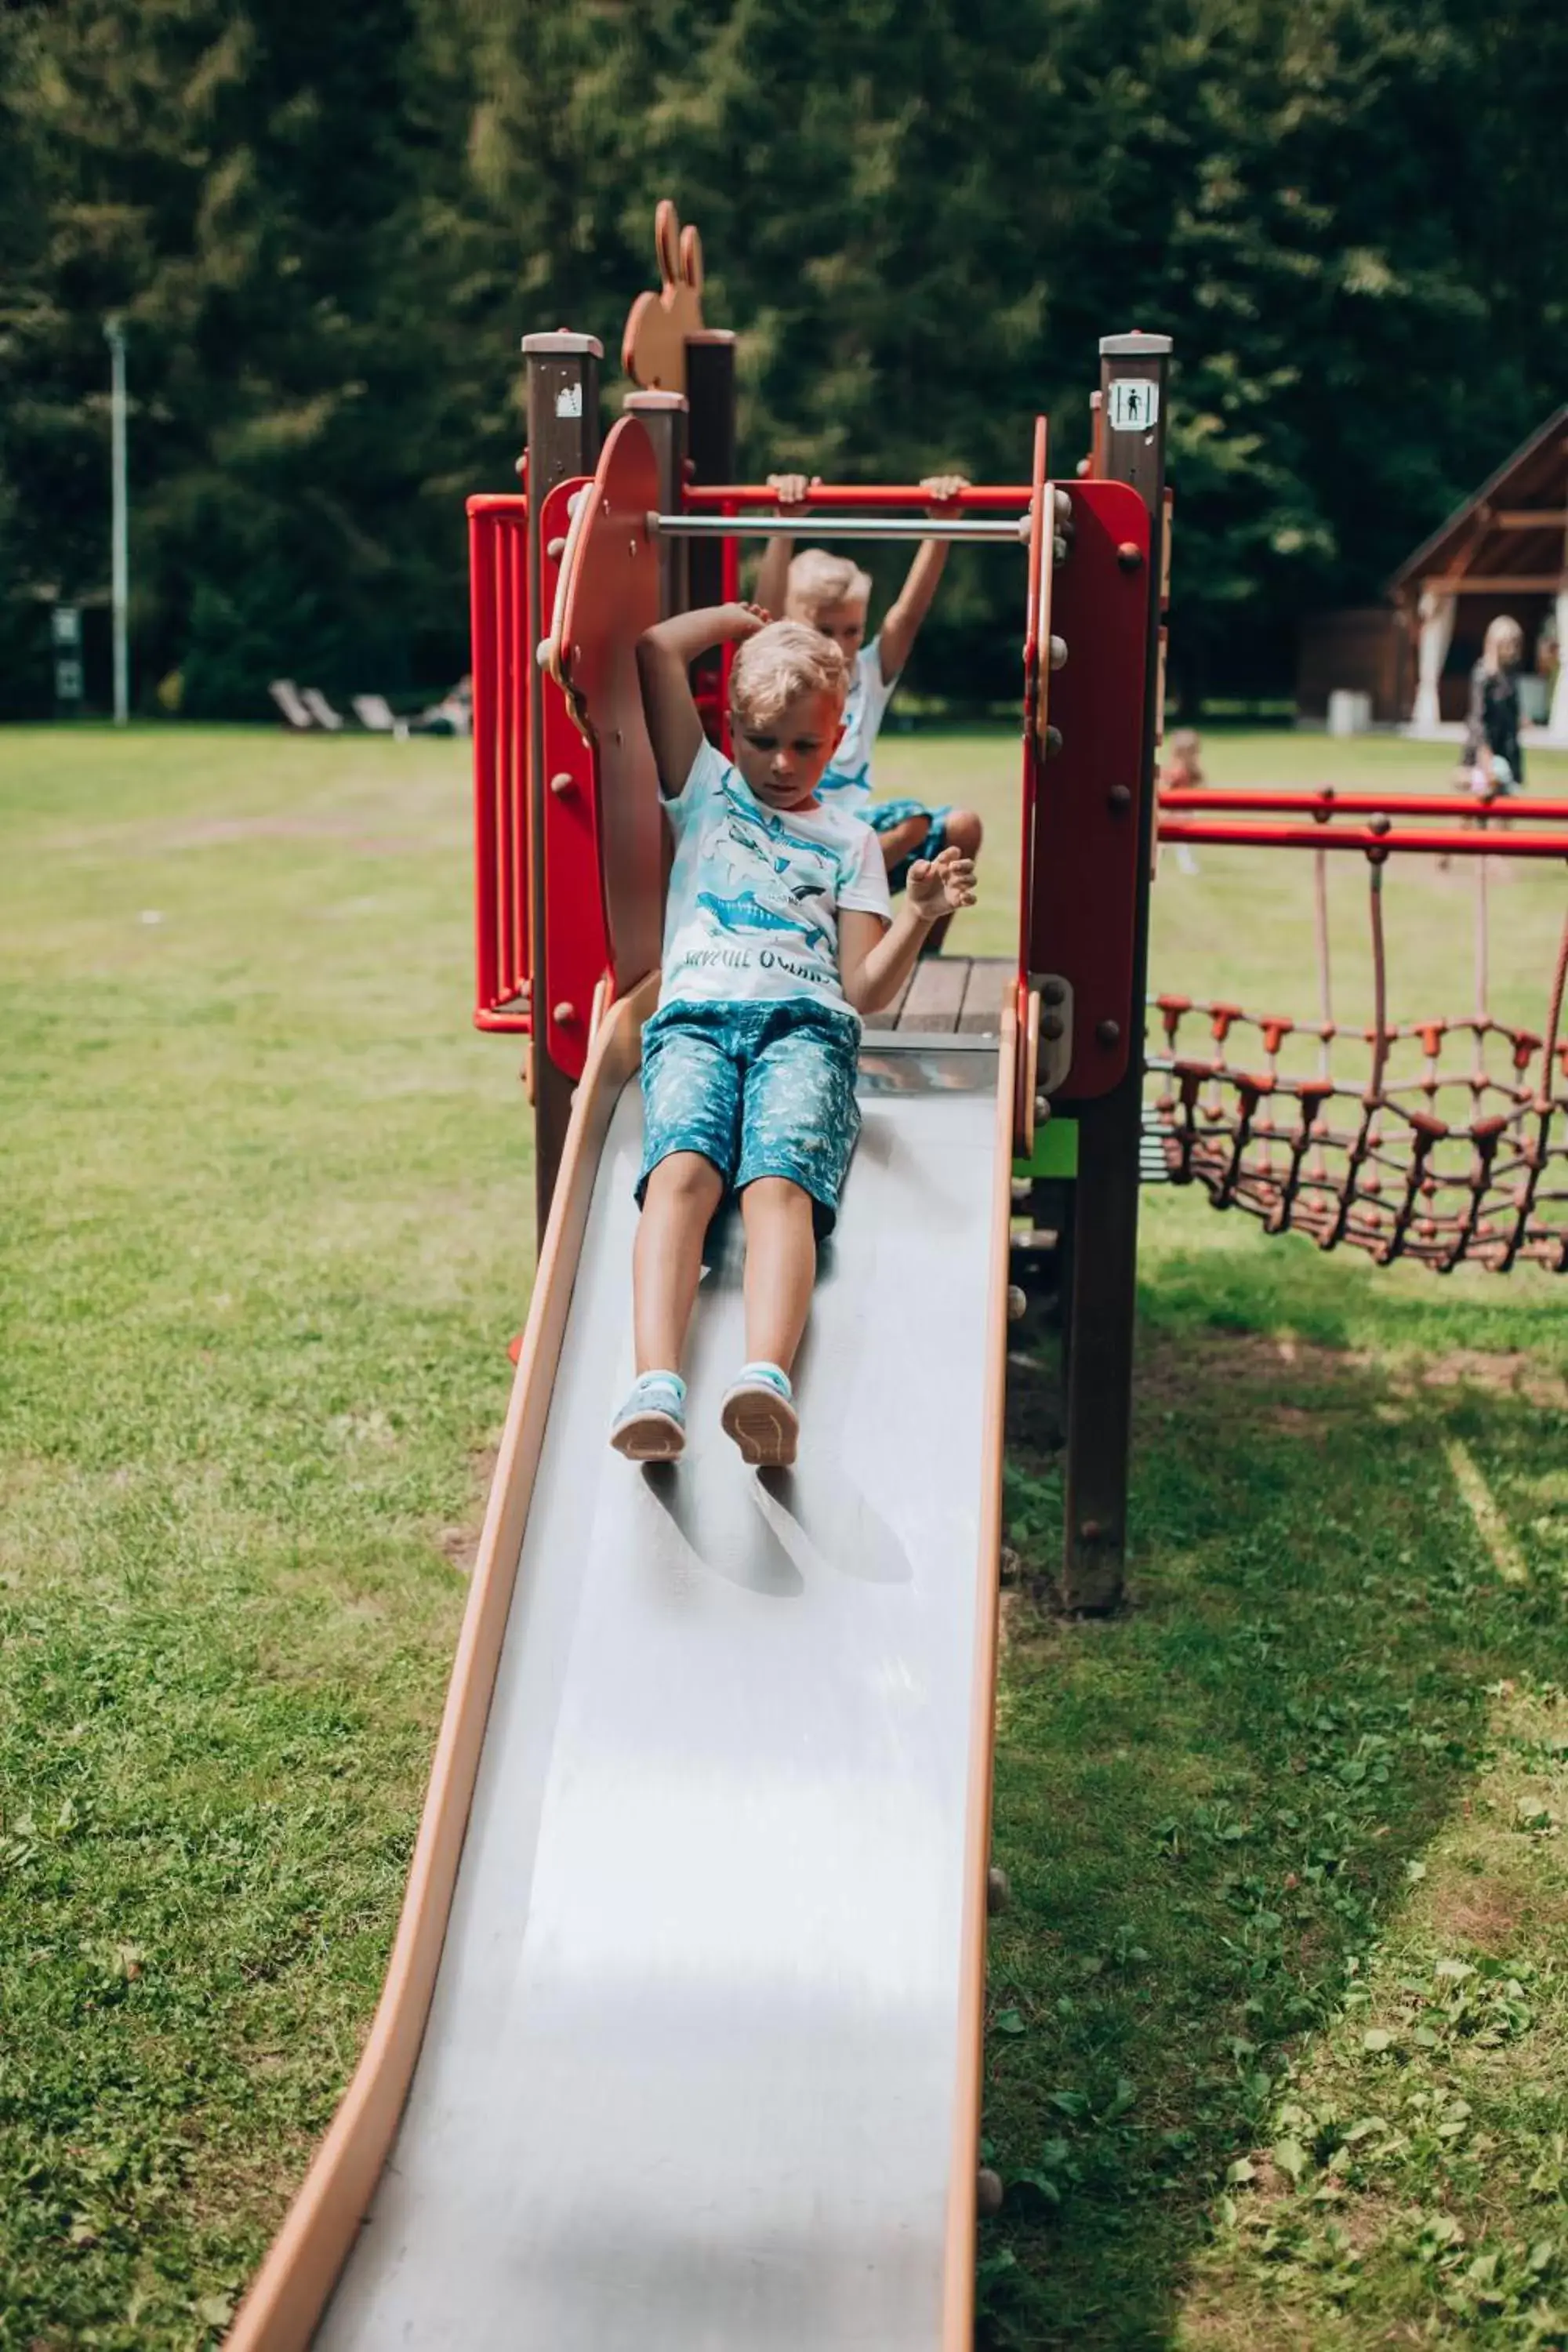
[
  {"x": 286, "y": 695},
  {"x": 374, "y": 711},
  {"x": 321, "y": 710}
]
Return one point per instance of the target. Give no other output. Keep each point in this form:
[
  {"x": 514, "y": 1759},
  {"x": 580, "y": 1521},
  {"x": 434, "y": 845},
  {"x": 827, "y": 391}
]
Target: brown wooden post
[
  {"x": 1130, "y": 448},
  {"x": 709, "y": 445},
  {"x": 562, "y": 440}
]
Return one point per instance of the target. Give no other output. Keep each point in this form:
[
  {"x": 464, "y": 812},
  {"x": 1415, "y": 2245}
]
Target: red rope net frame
[{"x": 1448, "y": 1142}]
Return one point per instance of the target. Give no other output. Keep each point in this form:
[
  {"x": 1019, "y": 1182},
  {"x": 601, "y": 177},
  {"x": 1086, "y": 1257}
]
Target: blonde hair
[
  {"x": 1502, "y": 634},
  {"x": 781, "y": 662},
  {"x": 817, "y": 582}
]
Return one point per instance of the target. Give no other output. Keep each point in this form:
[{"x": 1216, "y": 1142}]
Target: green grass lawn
[
  {"x": 266, "y": 1231},
  {"x": 1279, "y": 2029}
]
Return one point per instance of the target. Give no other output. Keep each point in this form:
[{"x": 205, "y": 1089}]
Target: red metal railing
[
  {"x": 1378, "y": 839},
  {"x": 1326, "y": 802},
  {"x": 498, "y": 572},
  {"x": 850, "y": 497}
]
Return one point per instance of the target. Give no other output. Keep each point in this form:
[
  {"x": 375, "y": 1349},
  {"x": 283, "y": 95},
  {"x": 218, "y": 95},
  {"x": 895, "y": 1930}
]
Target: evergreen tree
[
  {"x": 223, "y": 182},
  {"x": 326, "y": 233}
]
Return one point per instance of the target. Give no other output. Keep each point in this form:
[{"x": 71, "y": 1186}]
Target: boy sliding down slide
[
  {"x": 830, "y": 593},
  {"x": 778, "y": 935}
]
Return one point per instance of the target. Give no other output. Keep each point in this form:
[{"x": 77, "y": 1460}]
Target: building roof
[{"x": 1512, "y": 536}]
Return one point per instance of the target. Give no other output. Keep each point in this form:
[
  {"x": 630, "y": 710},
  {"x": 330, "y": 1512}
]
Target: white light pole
[{"x": 120, "y": 557}]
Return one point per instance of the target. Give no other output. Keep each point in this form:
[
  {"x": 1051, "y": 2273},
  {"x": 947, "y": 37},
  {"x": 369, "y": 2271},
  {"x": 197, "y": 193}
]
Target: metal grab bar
[{"x": 1013, "y": 532}]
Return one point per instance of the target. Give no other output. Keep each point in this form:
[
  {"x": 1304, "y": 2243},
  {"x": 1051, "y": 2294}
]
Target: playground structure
[
  {"x": 568, "y": 846},
  {"x": 1443, "y": 1140},
  {"x": 681, "y": 2038}
]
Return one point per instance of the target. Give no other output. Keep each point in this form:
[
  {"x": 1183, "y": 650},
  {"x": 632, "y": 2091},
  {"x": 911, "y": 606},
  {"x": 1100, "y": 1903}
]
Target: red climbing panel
[{"x": 1083, "y": 881}]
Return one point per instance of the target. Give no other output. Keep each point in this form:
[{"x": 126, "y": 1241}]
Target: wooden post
[
  {"x": 709, "y": 445},
  {"x": 1130, "y": 438},
  {"x": 562, "y": 440}
]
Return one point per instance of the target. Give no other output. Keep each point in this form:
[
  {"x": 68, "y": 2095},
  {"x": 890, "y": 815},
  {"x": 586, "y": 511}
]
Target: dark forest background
[{"x": 326, "y": 228}]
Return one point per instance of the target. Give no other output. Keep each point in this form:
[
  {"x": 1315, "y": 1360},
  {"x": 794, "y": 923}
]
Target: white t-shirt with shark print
[
  {"x": 755, "y": 892},
  {"x": 848, "y": 783}
]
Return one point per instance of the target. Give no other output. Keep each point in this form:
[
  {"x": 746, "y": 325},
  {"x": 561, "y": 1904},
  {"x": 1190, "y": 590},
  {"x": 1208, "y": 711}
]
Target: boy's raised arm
[
  {"x": 772, "y": 572},
  {"x": 899, "y": 631},
  {"x": 665, "y": 654}
]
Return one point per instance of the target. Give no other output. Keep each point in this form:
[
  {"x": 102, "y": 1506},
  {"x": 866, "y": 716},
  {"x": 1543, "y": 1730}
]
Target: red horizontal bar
[
  {"x": 510, "y": 1024},
  {"x": 1328, "y": 801},
  {"x": 856, "y": 497},
  {"x": 1324, "y": 836},
  {"x": 498, "y": 502}
]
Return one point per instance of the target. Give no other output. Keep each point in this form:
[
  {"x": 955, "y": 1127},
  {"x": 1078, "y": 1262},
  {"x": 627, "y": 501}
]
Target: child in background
[
  {"x": 779, "y": 933},
  {"x": 832, "y": 595},
  {"x": 1184, "y": 771}
]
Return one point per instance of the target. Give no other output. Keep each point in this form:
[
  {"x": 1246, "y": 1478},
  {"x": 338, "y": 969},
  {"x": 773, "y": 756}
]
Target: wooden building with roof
[{"x": 1505, "y": 549}]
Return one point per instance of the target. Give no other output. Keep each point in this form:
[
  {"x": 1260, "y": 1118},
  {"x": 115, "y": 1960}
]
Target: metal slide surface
[{"x": 689, "y": 2075}]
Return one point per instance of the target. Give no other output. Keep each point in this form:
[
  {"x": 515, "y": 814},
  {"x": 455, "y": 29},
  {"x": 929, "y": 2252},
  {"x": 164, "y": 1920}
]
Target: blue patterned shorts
[
  {"x": 882, "y": 817},
  {"x": 757, "y": 1089}
]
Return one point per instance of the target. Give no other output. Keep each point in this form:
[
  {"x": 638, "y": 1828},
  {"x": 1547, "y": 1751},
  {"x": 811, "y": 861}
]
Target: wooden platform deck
[{"x": 949, "y": 996}]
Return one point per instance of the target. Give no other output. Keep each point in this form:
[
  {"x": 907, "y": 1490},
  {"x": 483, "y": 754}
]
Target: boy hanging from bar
[
  {"x": 832, "y": 595},
  {"x": 779, "y": 934}
]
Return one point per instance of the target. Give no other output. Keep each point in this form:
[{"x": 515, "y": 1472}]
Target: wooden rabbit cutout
[{"x": 653, "y": 348}]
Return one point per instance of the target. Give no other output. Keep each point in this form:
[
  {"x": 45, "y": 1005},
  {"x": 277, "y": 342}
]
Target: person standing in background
[{"x": 1493, "y": 761}]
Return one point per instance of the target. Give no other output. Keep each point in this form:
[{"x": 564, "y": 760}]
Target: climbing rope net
[{"x": 1444, "y": 1141}]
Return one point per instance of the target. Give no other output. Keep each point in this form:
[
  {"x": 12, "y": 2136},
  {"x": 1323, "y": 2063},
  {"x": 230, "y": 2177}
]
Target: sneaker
[
  {"x": 759, "y": 1413},
  {"x": 651, "y": 1424}
]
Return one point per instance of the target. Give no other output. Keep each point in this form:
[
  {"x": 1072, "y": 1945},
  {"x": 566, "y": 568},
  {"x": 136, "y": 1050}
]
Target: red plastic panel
[
  {"x": 501, "y": 661},
  {"x": 611, "y": 598},
  {"x": 574, "y": 951},
  {"x": 1084, "y": 865}
]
